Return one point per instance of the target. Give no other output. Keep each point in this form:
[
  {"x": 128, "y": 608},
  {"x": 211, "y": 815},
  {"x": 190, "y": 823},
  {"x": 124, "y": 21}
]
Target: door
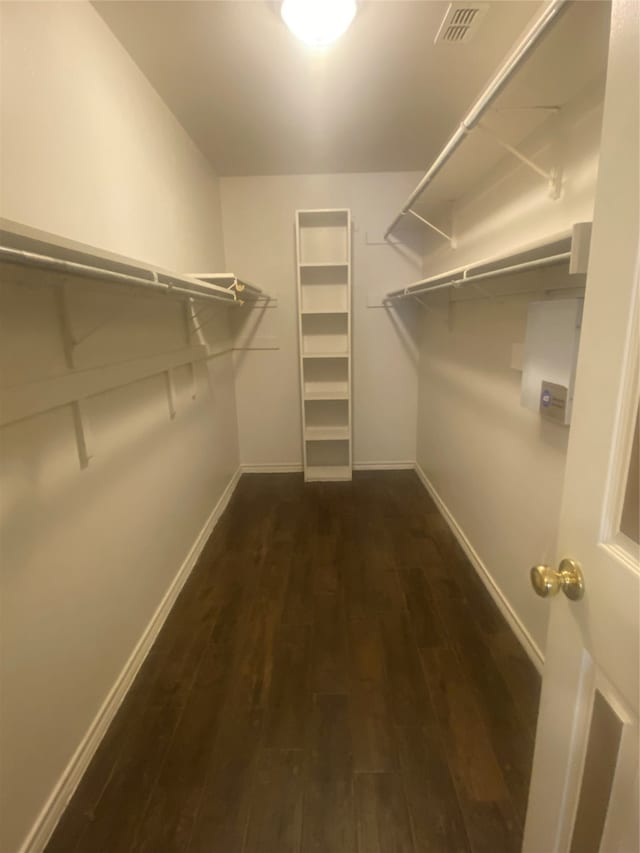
[{"x": 584, "y": 787}]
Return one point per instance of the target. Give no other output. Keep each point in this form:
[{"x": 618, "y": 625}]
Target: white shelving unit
[
  {"x": 529, "y": 96},
  {"x": 323, "y": 246},
  {"x": 571, "y": 248}
]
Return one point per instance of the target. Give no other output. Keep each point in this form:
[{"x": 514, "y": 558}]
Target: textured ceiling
[{"x": 257, "y": 101}]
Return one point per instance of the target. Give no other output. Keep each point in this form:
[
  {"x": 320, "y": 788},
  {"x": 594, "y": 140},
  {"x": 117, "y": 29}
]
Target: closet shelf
[
  {"x": 325, "y": 355},
  {"x": 327, "y": 472},
  {"x": 88, "y": 262},
  {"x": 571, "y": 248},
  {"x": 327, "y": 433},
  {"x": 324, "y": 265},
  {"x": 324, "y": 334},
  {"x": 310, "y": 313},
  {"x": 326, "y": 395},
  {"x": 527, "y": 92}
]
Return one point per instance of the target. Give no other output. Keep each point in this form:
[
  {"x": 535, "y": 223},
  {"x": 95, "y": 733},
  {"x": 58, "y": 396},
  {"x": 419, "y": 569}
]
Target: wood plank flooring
[{"x": 333, "y": 678}]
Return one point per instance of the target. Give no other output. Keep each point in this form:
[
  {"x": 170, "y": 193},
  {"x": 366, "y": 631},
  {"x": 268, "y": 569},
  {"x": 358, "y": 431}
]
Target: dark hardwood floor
[{"x": 333, "y": 678}]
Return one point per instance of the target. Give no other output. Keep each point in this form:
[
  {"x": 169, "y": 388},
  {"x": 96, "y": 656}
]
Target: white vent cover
[{"x": 461, "y": 22}]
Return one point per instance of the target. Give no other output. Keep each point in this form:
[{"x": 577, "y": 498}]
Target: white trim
[
  {"x": 527, "y": 641},
  {"x": 277, "y": 468},
  {"x": 53, "y": 809},
  {"x": 296, "y": 467},
  {"x": 404, "y": 465}
]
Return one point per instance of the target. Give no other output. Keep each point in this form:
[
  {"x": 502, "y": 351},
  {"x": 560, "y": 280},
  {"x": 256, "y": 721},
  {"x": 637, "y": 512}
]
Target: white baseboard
[
  {"x": 523, "y": 635},
  {"x": 73, "y": 773},
  {"x": 296, "y": 467},
  {"x": 278, "y": 468},
  {"x": 384, "y": 466}
]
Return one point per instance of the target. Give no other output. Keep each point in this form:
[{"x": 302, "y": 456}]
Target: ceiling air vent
[{"x": 461, "y": 22}]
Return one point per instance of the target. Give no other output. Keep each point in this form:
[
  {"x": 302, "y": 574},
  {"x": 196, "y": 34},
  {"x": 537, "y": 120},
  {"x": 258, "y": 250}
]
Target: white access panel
[{"x": 549, "y": 358}]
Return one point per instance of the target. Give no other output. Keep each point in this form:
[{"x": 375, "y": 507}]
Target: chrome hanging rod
[
  {"x": 424, "y": 286},
  {"x": 485, "y": 100},
  {"x": 159, "y": 281}
]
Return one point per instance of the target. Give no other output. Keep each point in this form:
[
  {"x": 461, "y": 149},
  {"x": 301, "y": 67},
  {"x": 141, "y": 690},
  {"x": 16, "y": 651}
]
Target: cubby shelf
[
  {"x": 324, "y": 265},
  {"x": 323, "y": 311},
  {"x": 326, "y": 395},
  {"x": 327, "y": 473},
  {"x": 326, "y": 433},
  {"x": 325, "y": 355},
  {"x": 323, "y": 245}
]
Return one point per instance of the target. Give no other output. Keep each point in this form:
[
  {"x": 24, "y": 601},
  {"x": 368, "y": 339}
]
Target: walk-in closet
[{"x": 319, "y": 393}]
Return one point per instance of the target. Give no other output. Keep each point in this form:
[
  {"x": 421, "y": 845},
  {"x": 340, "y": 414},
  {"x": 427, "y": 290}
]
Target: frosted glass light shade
[{"x": 318, "y": 22}]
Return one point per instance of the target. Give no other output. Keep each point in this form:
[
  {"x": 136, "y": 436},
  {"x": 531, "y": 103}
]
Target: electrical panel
[{"x": 550, "y": 356}]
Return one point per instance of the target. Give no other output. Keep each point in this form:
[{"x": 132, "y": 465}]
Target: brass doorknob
[{"x": 568, "y": 578}]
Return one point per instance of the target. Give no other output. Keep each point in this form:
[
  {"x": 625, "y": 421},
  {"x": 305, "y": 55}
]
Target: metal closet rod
[
  {"x": 162, "y": 282},
  {"x": 417, "y": 288},
  {"x": 481, "y": 105}
]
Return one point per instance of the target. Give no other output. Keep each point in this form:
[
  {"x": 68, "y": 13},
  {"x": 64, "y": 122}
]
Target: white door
[{"x": 584, "y": 786}]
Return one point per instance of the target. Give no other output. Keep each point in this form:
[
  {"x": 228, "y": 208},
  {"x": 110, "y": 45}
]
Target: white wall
[
  {"x": 91, "y": 153},
  {"x": 498, "y": 467},
  {"x": 258, "y": 216}
]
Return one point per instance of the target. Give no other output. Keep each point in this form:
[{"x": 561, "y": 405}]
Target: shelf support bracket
[
  {"x": 83, "y": 433},
  {"x": 197, "y": 326},
  {"x": 171, "y": 393},
  {"x": 193, "y": 380},
  {"x": 66, "y": 326},
  {"x": 112, "y": 318},
  {"x": 203, "y": 310},
  {"x": 422, "y": 304},
  {"x": 187, "y": 312},
  {"x": 432, "y": 226},
  {"x": 71, "y": 340},
  {"x": 553, "y": 177}
]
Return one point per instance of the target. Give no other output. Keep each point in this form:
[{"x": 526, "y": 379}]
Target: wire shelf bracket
[
  {"x": 544, "y": 19},
  {"x": 433, "y": 227},
  {"x": 84, "y": 436},
  {"x": 553, "y": 177},
  {"x": 63, "y": 266}
]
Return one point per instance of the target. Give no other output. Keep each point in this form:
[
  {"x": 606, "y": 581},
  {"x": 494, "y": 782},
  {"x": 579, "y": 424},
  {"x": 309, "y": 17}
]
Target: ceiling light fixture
[{"x": 318, "y": 22}]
